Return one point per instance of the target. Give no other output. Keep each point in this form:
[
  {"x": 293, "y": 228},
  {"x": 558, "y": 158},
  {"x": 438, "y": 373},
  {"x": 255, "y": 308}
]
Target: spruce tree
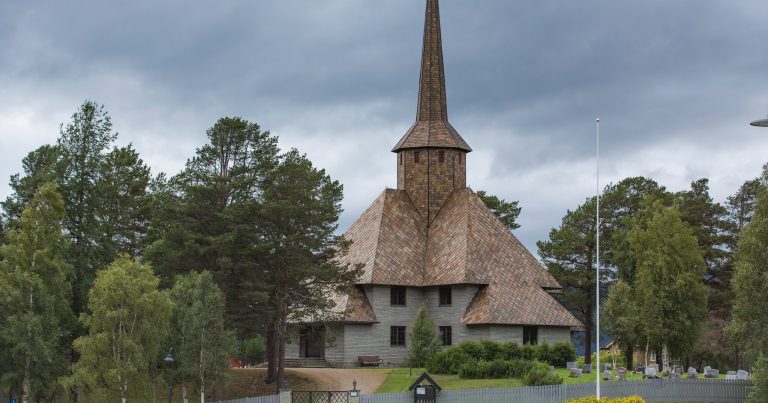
[{"x": 423, "y": 343}]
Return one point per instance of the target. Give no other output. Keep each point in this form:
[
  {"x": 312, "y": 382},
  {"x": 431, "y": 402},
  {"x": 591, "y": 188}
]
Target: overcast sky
[{"x": 675, "y": 84}]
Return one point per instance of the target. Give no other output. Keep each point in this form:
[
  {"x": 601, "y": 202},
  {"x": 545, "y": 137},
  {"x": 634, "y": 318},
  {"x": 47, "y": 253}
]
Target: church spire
[
  {"x": 432, "y": 129},
  {"x": 432, "y": 103}
]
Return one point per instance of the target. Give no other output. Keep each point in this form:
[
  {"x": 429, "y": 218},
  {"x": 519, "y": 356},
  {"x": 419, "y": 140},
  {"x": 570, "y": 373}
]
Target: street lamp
[
  {"x": 169, "y": 361},
  {"x": 760, "y": 122}
]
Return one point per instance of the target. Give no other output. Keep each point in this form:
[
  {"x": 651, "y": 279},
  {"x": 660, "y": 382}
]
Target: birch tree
[
  {"x": 126, "y": 327},
  {"x": 35, "y": 299}
]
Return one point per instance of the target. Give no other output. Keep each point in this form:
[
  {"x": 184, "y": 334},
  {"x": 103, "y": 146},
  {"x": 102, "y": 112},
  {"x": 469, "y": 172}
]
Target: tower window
[
  {"x": 397, "y": 296},
  {"x": 445, "y": 335},
  {"x": 530, "y": 335},
  {"x": 441, "y": 156},
  {"x": 459, "y": 158},
  {"x": 445, "y": 295},
  {"x": 401, "y": 159},
  {"x": 416, "y": 157},
  {"x": 397, "y": 335}
]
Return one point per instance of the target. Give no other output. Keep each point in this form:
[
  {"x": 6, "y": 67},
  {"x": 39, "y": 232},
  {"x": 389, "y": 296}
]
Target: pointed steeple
[
  {"x": 432, "y": 128},
  {"x": 432, "y": 103}
]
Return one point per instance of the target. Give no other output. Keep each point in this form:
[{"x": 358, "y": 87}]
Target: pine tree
[
  {"x": 507, "y": 212},
  {"x": 35, "y": 299},
  {"x": 423, "y": 340}
]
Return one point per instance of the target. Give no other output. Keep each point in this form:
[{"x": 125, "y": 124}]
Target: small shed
[{"x": 425, "y": 389}]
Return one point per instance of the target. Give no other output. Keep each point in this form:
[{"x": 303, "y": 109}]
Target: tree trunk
[
  {"x": 665, "y": 358},
  {"x": 26, "y": 386},
  {"x": 629, "y": 355},
  {"x": 588, "y": 337},
  {"x": 271, "y": 353},
  {"x": 154, "y": 390},
  {"x": 184, "y": 392}
]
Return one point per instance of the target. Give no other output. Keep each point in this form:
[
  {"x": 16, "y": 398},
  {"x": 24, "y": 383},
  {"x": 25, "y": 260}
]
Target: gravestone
[
  {"x": 675, "y": 375},
  {"x": 574, "y": 373},
  {"x": 650, "y": 372},
  {"x": 742, "y": 375},
  {"x": 711, "y": 373},
  {"x": 607, "y": 375},
  {"x": 621, "y": 373},
  {"x": 730, "y": 377},
  {"x": 731, "y": 373},
  {"x": 571, "y": 365},
  {"x": 586, "y": 368}
]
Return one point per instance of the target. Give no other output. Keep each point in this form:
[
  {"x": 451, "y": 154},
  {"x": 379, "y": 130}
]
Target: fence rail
[
  {"x": 261, "y": 399},
  {"x": 689, "y": 390}
]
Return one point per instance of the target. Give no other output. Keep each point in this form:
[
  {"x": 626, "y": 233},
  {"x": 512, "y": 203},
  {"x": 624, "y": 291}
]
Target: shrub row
[
  {"x": 451, "y": 360},
  {"x": 533, "y": 373}
]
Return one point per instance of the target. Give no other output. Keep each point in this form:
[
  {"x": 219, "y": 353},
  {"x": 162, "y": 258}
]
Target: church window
[
  {"x": 530, "y": 335},
  {"x": 397, "y": 295},
  {"x": 446, "y": 335},
  {"x": 441, "y": 156},
  {"x": 459, "y": 158},
  {"x": 397, "y": 335},
  {"x": 445, "y": 295},
  {"x": 401, "y": 159},
  {"x": 416, "y": 156}
]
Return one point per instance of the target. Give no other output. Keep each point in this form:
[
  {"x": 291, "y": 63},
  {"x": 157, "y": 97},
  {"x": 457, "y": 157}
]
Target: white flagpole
[{"x": 597, "y": 255}]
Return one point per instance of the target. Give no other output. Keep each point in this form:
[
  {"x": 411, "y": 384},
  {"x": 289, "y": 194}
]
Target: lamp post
[
  {"x": 169, "y": 360},
  {"x": 760, "y": 122}
]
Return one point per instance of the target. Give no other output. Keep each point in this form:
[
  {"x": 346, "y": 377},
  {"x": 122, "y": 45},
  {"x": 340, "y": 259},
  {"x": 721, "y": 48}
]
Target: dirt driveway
[{"x": 368, "y": 379}]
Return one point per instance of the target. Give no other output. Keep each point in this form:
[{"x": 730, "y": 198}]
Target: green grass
[{"x": 399, "y": 379}]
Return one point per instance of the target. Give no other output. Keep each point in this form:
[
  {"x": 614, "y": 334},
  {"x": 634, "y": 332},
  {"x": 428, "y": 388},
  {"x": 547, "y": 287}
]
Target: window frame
[
  {"x": 396, "y": 298},
  {"x": 416, "y": 157},
  {"x": 531, "y": 335},
  {"x": 446, "y": 335},
  {"x": 441, "y": 294},
  {"x": 441, "y": 156},
  {"x": 397, "y": 336}
]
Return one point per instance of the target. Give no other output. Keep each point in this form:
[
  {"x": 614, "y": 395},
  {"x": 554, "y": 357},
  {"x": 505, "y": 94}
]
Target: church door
[{"x": 312, "y": 343}]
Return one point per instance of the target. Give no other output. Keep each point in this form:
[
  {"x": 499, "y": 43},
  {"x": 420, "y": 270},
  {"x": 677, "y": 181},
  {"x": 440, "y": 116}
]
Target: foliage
[
  {"x": 506, "y": 212},
  {"x": 540, "y": 374},
  {"x": 760, "y": 380},
  {"x": 448, "y": 361},
  {"x": 749, "y": 327},
  {"x": 621, "y": 311},
  {"x": 252, "y": 350},
  {"x": 126, "y": 327},
  {"x": 669, "y": 289},
  {"x": 35, "y": 299},
  {"x": 452, "y": 359},
  {"x": 105, "y": 193},
  {"x": 593, "y": 399},
  {"x": 203, "y": 345},
  {"x": 423, "y": 340}
]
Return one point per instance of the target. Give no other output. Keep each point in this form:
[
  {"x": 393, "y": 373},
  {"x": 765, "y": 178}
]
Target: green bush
[
  {"x": 527, "y": 352},
  {"x": 448, "y": 361},
  {"x": 562, "y": 353},
  {"x": 253, "y": 350},
  {"x": 518, "y": 368},
  {"x": 510, "y": 350},
  {"x": 543, "y": 352},
  {"x": 539, "y": 375},
  {"x": 472, "y": 348},
  {"x": 491, "y": 350}
]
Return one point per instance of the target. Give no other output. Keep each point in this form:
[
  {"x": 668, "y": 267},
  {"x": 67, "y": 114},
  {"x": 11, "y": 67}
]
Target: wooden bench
[{"x": 369, "y": 360}]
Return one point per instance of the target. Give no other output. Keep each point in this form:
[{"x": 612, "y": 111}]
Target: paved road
[{"x": 368, "y": 379}]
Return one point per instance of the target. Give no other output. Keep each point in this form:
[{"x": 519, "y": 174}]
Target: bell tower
[{"x": 432, "y": 156}]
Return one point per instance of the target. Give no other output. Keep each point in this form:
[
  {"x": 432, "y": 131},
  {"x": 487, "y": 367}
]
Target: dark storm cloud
[{"x": 673, "y": 81}]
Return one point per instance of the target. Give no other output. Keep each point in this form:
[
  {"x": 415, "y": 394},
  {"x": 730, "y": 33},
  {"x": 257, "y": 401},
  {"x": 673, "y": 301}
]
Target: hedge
[{"x": 450, "y": 360}]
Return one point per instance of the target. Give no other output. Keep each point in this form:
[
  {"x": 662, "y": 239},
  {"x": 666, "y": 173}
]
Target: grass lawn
[{"x": 399, "y": 379}]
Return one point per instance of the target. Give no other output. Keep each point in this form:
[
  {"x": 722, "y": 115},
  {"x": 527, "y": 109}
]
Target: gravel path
[{"x": 368, "y": 379}]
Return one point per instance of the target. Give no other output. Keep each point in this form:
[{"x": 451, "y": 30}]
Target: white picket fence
[
  {"x": 261, "y": 399},
  {"x": 688, "y": 390}
]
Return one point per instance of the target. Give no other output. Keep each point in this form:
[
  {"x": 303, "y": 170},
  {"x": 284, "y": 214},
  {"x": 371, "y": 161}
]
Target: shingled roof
[
  {"x": 432, "y": 128},
  {"x": 466, "y": 244}
]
